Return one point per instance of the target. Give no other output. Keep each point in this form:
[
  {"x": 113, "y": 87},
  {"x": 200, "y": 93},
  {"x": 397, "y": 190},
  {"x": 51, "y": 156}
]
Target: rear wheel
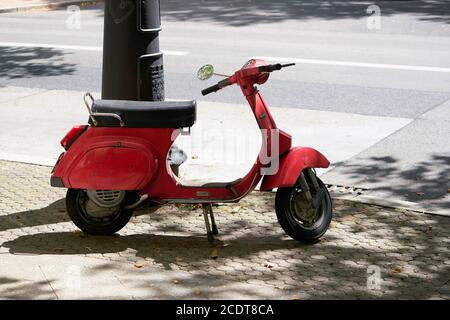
[
  {"x": 298, "y": 218},
  {"x": 98, "y": 212}
]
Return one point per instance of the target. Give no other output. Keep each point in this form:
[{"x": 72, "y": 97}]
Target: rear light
[{"x": 73, "y": 135}]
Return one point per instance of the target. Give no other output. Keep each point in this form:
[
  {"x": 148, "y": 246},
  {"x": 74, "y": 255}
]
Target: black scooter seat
[{"x": 145, "y": 114}]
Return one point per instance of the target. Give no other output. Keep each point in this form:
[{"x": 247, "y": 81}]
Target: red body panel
[
  {"x": 291, "y": 165},
  {"x": 111, "y": 158},
  {"x": 102, "y": 165}
]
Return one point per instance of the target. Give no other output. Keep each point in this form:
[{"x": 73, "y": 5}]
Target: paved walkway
[{"x": 164, "y": 253}]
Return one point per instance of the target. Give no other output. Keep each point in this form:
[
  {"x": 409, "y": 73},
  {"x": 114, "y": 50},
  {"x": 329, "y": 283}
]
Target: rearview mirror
[{"x": 205, "y": 72}]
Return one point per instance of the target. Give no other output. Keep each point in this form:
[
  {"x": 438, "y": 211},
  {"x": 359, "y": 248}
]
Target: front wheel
[
  {"x": 298, "y": 218},
  {"x": 98, "y": 212}
]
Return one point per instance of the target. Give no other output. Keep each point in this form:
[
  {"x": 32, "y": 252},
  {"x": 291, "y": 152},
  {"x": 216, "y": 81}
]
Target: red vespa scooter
[{"x": 120, "y": 159}]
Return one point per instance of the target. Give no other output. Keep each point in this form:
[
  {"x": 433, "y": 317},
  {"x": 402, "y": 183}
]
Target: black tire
[
  {"x": 293, "y": 225},
  {"x": 76, "y": 207}
]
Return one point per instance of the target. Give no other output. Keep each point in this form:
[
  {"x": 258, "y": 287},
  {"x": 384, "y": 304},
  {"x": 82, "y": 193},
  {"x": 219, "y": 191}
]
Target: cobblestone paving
[{"x": 410, "y": 249}]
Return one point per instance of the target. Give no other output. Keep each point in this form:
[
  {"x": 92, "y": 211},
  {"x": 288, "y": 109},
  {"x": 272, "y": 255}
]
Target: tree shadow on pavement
[
  {"x": 54, "y": 213},
  {"x": 243, "y": 13},
  {"x": 22, "y": 62},
  {"x": 424, "y": 182},
  {"x": 408, "y": 247},
  {"x": 12, "y": 288}
]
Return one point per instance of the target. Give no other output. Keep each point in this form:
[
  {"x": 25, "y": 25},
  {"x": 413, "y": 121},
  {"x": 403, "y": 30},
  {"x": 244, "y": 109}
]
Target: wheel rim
[
  {"x": 302, "y": 211},
  {"x": 93, "y": 213}
]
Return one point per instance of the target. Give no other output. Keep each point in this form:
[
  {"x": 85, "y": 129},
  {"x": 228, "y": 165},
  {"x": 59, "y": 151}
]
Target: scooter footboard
[{"x": 291, "y": 165}]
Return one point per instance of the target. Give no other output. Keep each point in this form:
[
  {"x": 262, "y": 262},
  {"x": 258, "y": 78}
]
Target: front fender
[{"x": 291, "y": 165}]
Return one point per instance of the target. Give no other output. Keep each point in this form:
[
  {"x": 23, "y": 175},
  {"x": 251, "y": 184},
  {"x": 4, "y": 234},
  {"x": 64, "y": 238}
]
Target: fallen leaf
[
  {"x": 138, "y": 265},
  {"x": 395, "y": 270},
  {"x": 197, "y": 291},
  {"x": 214, "y": 253},
  {"x": 78, "y": 233}
]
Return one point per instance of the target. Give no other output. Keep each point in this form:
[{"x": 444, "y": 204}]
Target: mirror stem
[{"x": 221, "y": 75}]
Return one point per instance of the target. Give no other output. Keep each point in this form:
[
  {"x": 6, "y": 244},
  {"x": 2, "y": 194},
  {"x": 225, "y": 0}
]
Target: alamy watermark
[
  {"x": 374, "y": 278},
  {"x": 73, "y": 280},
  {"x": 229, "y": 146},
  {"x": 73, "y": 21},
  {"x": 373, "y": 22}
]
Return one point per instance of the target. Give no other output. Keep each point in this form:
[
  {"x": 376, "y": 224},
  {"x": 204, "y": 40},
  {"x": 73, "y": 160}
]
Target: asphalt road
[
  {"x": 400, "y": 70},
  {"x": 207, "y": 37}
]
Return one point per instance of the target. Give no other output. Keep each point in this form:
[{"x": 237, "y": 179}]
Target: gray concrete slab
[
  {"x": 412, "y": 164},
  {"x": 224, "y": 142}
]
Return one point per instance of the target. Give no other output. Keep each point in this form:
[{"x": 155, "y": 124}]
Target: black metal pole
[
  {"x": 133, "y": 66},
  {"x": 132, "y": 63}
]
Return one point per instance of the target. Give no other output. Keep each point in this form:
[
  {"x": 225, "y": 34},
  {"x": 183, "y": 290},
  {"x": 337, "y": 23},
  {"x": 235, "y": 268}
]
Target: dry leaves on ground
[
  {"x": 395, "y": 270},
  {"x": 214, "y": 253}
]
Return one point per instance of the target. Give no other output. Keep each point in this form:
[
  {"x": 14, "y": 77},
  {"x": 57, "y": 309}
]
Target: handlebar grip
[
  {"x": 211, "y": 89},
  {"x": 275, "y": 67}
]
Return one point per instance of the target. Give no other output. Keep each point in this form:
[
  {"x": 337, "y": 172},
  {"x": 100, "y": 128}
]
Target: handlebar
[
  {"x": 211, "y": 89},
  {"x": 216, "y": 87},
  {"x": 226, "y": 82}
]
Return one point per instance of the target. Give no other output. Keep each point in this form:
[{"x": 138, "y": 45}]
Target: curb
[
  {"x": 50, "y": 6},
  {"x": 393, "y": 204},
  {"x": 36, "y": 161}
]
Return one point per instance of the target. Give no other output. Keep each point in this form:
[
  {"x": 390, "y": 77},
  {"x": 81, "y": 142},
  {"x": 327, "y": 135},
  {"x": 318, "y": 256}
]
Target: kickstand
[{"x": 211, "y": 228}]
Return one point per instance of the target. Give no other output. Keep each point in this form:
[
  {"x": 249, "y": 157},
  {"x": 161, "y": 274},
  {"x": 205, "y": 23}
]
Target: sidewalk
[
  {"x": 164, "y": 253},
  {"x": 25, "y": 5},
  {"x": 214, "y": 150}
]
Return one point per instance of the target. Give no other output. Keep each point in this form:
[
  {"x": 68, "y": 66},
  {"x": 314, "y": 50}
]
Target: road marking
[
  {"x": 358, "y": 64},
  {"x": 72, "y": 47}
]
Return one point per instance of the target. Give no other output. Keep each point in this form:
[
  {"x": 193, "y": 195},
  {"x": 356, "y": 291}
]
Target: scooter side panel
[
  {"x": 111, "y": 159},
  {"x": 291, "y": 165},
  {"x": 111, "y": 168}
]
